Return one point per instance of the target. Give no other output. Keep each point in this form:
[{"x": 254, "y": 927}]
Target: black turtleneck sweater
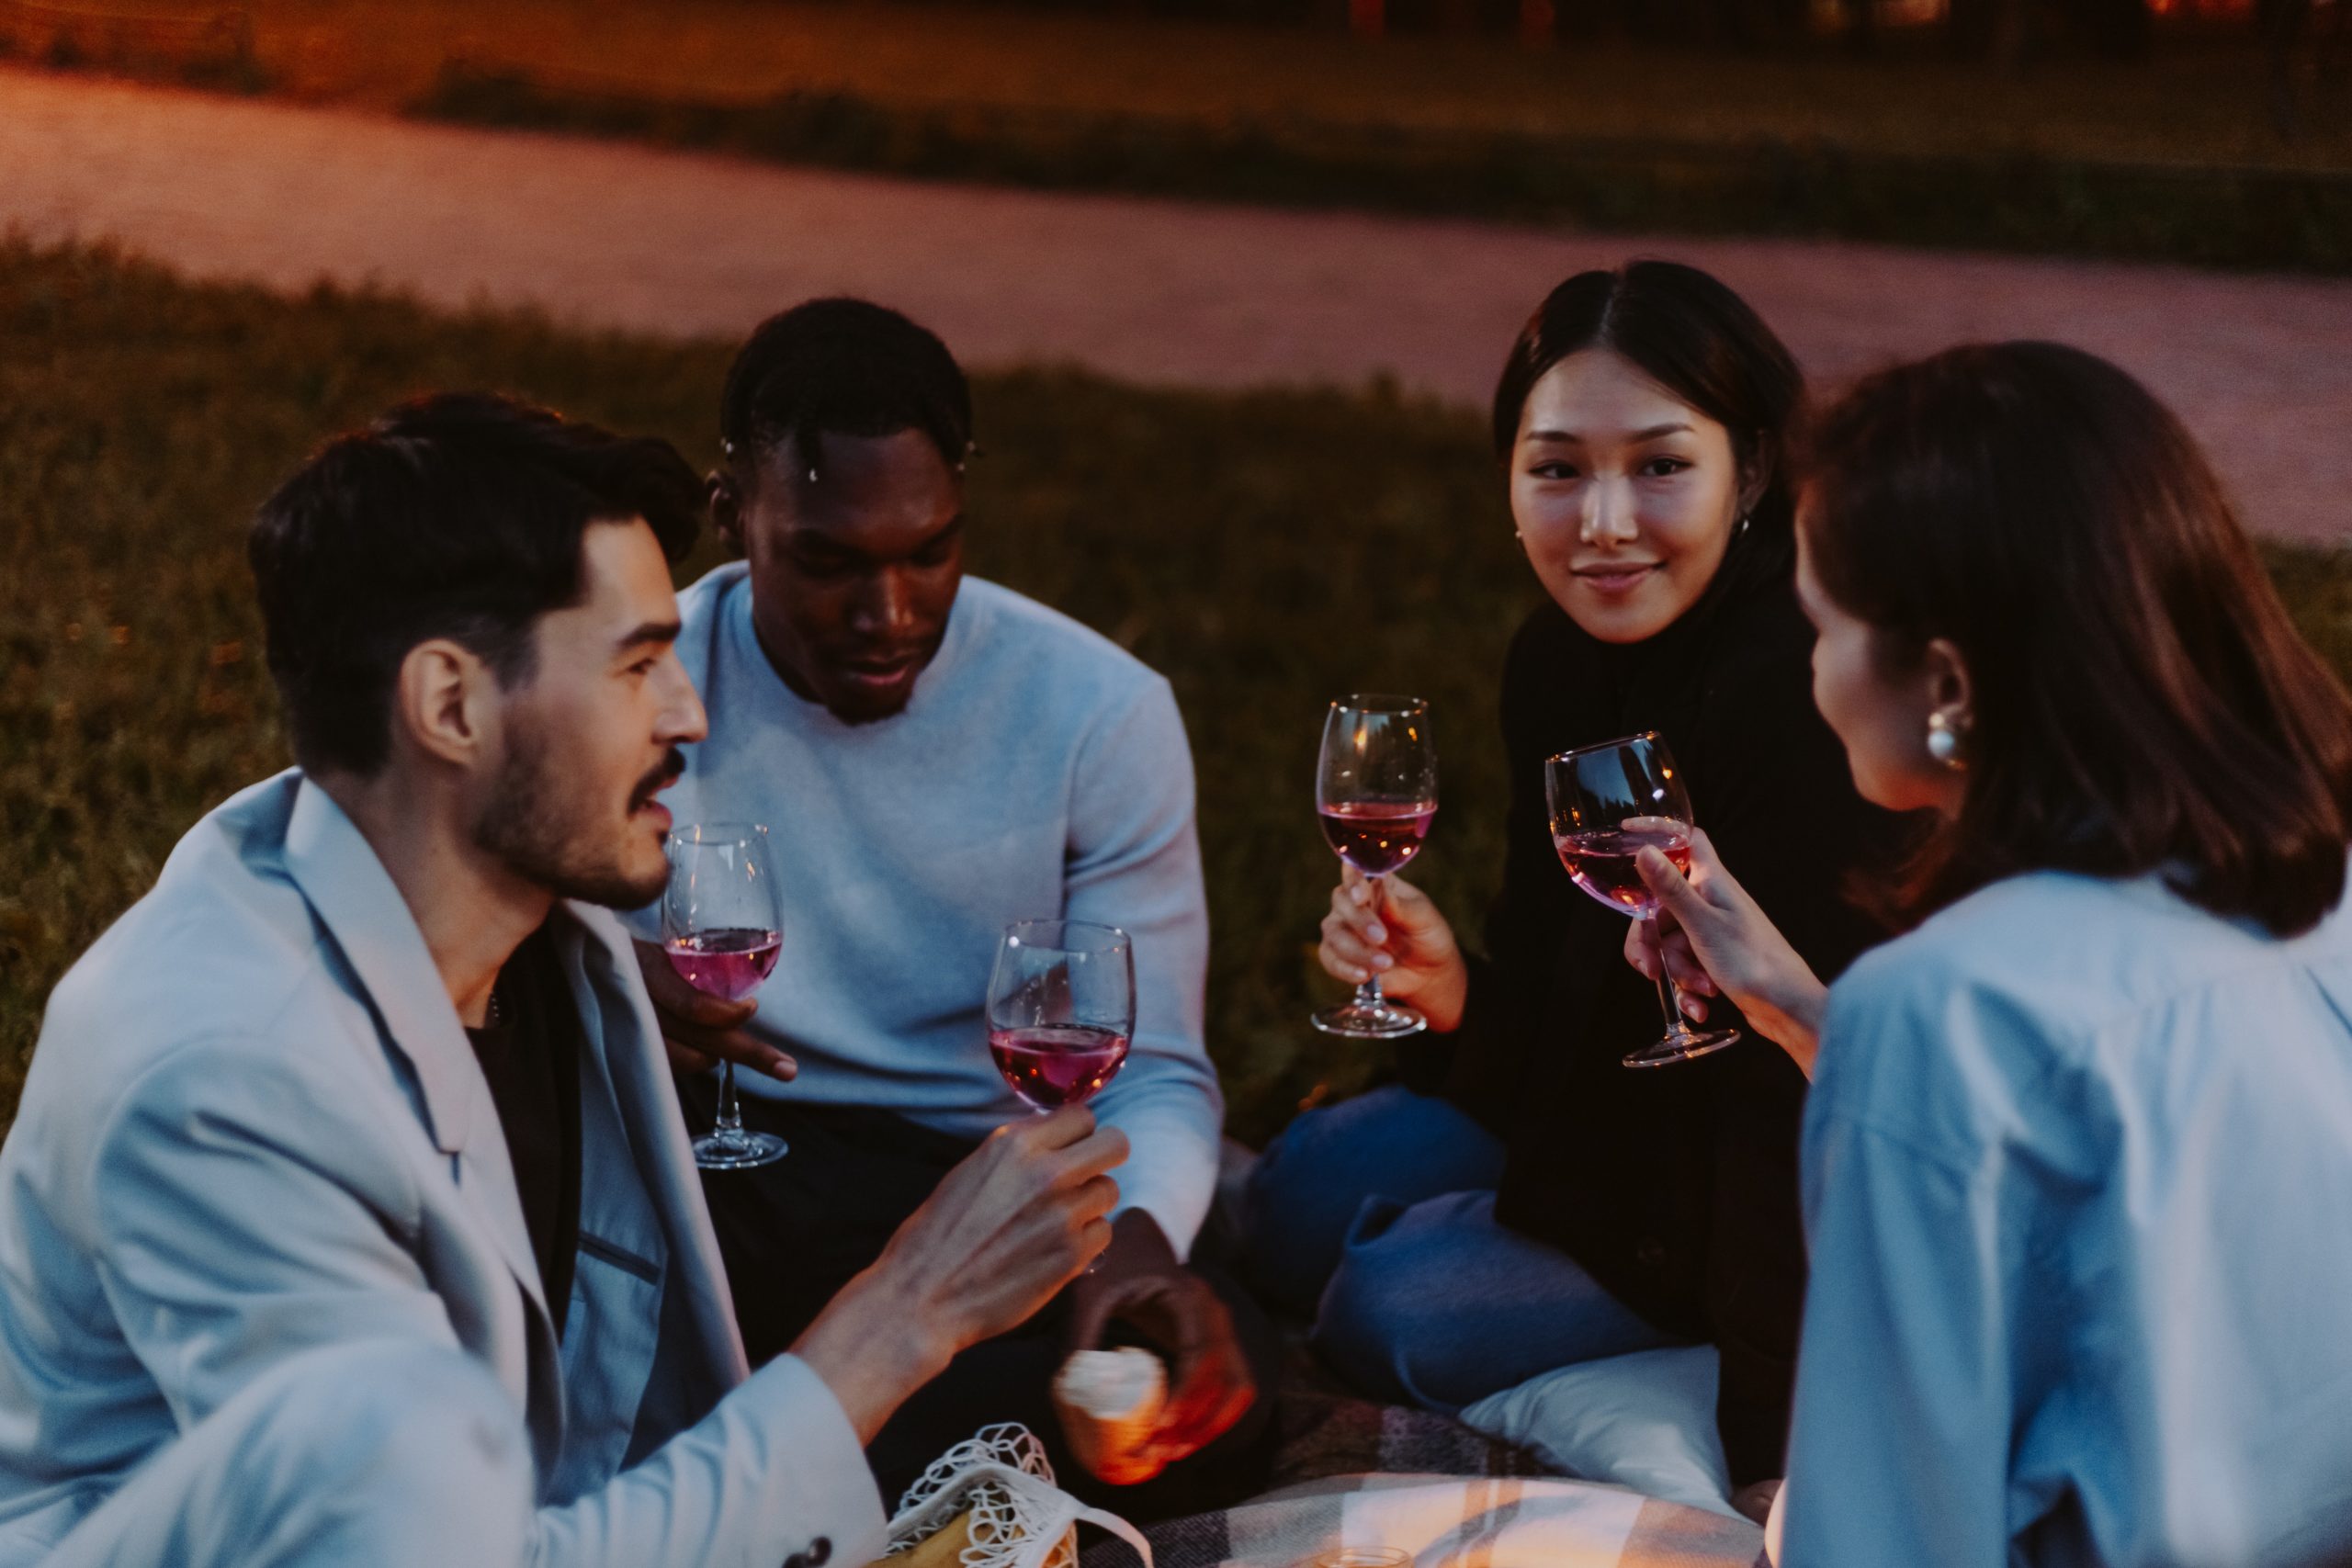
[{"x": 1676, "y": 1188}]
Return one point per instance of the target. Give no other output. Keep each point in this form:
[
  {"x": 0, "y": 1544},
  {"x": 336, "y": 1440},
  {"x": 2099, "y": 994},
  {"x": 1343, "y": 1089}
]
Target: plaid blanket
[
  {"x": 1452, "y": 1522},
  {"x": 1350, "y": 1472}
]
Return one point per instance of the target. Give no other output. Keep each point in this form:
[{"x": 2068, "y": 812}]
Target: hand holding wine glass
[
  {"x": 1398, "y": 931},
  {"x": 1613, "y": 804},
  {"x": 1375, "y": 790},
  {"x": 1061, "y": 1010},
  {"x": 722, "y": 929},
  {"x": 1710, "y": 938}
]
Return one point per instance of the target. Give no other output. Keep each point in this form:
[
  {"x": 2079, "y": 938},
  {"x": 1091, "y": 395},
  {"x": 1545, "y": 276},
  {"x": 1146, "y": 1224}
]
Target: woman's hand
[
  {"x": 1391, "y": 928},
  {"x": 1716, "y": 942}
]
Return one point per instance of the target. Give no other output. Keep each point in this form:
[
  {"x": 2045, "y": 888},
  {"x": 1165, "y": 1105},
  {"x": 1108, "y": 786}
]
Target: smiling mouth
[{"x": 1616, "y": 574}]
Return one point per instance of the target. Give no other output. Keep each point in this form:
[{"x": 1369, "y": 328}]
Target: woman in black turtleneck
[{"x": 1528, "y": 1201}]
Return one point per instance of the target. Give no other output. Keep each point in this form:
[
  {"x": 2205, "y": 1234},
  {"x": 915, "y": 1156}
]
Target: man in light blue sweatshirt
[{"x": 934, "y": 757}]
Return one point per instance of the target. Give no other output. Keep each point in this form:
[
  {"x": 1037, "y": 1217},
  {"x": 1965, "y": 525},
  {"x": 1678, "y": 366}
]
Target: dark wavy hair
[
  {"x": 2141, "y": 700},
  {"x": 458, "y": 515},
  {"x": 1686, "y": 331}
]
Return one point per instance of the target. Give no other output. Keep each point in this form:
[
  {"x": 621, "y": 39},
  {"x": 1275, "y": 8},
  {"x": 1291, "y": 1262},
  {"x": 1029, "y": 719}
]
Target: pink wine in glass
[
  {"x": 1602, "y": 863},
  {"x": 728, "y": 965},
  {"x": 1051, "y": 1065},
  {"x": 1378, "y": 837}
]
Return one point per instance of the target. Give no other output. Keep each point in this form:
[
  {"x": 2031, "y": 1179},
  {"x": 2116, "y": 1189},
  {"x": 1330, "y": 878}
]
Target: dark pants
[{"x": 794, "y": 1233}]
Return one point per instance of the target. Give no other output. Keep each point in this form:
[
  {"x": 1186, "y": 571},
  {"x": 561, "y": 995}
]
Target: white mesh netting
[{"x": 1007, "y": 1518}]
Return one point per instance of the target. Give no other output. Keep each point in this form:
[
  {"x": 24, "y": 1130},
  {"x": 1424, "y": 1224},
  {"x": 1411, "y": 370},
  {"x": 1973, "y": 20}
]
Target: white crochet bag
[{"x": 1019, "y": 1518}]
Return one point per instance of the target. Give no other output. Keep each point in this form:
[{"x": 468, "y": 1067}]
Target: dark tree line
[{"x": 2006, "y": 30}]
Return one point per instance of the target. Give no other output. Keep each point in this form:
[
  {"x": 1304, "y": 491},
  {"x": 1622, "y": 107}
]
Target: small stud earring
[{"x": 1943, "y": 743}]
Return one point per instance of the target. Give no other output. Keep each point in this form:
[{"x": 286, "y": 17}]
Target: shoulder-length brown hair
[{"x": 2140, "y": 701}]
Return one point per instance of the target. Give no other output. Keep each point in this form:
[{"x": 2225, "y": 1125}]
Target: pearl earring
[{"x": 1943, "y": 741}]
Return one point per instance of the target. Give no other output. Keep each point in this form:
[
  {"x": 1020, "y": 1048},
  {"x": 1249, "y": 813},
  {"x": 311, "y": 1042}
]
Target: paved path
[{"x": 1152, "y": 291}]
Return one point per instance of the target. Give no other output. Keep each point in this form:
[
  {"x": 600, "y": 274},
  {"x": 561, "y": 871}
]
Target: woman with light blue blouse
[{"x": 2077, "y": 1154}]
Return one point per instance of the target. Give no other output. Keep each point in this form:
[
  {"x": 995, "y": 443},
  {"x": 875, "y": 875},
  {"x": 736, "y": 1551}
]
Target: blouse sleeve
[{"x": 1900, "y": 1445}]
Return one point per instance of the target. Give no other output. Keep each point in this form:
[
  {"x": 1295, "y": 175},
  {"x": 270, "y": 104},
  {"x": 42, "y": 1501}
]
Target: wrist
[
  {"x": 874, "y": 1344},
  {"x": 1791, "y": 1018},
  {"x": 1445, "y": 996}
]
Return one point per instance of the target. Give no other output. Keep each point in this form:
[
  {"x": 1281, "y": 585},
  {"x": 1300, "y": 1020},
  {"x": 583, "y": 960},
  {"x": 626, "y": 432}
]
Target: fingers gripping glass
[
  {"x": 1061, "y": 1010},
  {"x": 1608, "y": 803},
  {"x": 1376, "y": 788},
  {"x": 722, "y": 926}
]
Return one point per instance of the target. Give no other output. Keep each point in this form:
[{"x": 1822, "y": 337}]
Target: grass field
[{"x": 1266, "y": 552}]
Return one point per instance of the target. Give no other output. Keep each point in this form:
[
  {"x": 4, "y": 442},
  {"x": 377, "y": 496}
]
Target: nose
[
  {"x": 683, "y": 721},
  {"x": 887, "y": 607},
  {"x": 1607, "y": 517}
]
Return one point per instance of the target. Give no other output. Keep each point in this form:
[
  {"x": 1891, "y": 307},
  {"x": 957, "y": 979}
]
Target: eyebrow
[
  {"x": 806, "y": 538},
  {"x": 1651, "y": 433},
  {"x": 648, "y": 632}
]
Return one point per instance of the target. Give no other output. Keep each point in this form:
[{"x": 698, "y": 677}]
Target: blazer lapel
[
  {"x": 639, "y": 1071},
  {"x": 354, "y": 897}
]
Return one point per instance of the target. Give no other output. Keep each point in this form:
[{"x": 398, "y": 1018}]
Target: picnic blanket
[
  {"x": 1352, "y": 1472},
  {"x": 1445, "y": 1521}
]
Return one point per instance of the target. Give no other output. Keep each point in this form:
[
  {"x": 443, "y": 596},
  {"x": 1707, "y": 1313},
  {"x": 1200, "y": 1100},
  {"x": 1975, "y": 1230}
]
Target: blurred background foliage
[{"x": 2217, "y": 132}]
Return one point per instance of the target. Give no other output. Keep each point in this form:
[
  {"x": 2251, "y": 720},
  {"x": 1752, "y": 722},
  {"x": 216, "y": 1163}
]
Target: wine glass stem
[
  {"x": 1666, "y": 1000},
  {"x": 729, "y": 1123},
  {"x": 1368, "y": 995}
]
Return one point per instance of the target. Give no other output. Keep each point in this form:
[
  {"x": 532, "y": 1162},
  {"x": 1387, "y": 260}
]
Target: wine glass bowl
[
  {"x": 1375, "y": 791},
  {"x": 1061, "y": 1009},
  {"x": 722, "y": 929},
  {"x": 1608, "y": 803}
]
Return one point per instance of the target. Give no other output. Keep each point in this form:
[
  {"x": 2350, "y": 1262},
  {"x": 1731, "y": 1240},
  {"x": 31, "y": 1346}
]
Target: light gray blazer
[{"x": 255, "y": 1126}]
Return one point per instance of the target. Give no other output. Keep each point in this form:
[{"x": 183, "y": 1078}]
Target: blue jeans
[{"x": 1378, "y": 1217}]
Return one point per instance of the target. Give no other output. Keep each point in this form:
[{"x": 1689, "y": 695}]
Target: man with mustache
[
  {"x": 937, "y": 756},
  {"x": 349, "y": 1216}
]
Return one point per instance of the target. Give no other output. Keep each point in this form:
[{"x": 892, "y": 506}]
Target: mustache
[{"x": 673, "y": 768}]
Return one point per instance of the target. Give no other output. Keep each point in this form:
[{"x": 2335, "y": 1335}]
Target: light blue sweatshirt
[{"x": 1040, "y": 772}]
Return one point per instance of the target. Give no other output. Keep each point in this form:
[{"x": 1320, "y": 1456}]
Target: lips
[
  {"x": 1614, "y": 578},
  {"x": 882, "y": 672},
  {"x": 672, "y": 769}
]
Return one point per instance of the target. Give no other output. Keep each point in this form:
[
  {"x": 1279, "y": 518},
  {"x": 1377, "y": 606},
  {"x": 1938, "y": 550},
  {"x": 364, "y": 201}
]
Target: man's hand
[
  {"x": 1139, "y": 1284},
  {"x": 699, "y": 1029},
  {"x": 999, "y": 1236}
]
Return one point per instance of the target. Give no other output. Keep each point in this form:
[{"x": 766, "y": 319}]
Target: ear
[
  {"x": 726, "y": 508},
  {"x": 1949, "y": 689},
  {"x": 444, "y": 702},
  {"x": 1755, "y": 477}
]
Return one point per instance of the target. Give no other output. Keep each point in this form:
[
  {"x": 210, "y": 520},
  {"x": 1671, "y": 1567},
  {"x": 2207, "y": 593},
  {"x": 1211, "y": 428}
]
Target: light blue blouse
[{"x": 2077, "y": 1169}]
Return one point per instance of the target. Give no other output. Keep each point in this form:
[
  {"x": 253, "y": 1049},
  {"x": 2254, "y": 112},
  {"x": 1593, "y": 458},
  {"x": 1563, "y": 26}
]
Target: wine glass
[
  {"x": 722, "y": 926},
  {"x": 1061, "y": 1010},
  {"x": 1376, "y": 788},
  {"x": 1608, "y": 803}
]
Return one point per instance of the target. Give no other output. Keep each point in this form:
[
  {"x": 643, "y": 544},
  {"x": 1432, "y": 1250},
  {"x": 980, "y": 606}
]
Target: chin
[
  {"x": 859, "y": 708},
  {"x": 1618, "y": 620}
]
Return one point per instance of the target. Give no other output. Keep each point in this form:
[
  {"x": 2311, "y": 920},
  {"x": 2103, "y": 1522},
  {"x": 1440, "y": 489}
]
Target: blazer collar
[{"x": 353, "y": 896}]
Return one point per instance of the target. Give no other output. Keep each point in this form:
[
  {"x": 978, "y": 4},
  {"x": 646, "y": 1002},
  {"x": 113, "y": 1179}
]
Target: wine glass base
[
  {"x": 1354, "y": 1021},
  {"x": 738, "y": 1151},
  {"x": 1688, "y": 1046}
]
